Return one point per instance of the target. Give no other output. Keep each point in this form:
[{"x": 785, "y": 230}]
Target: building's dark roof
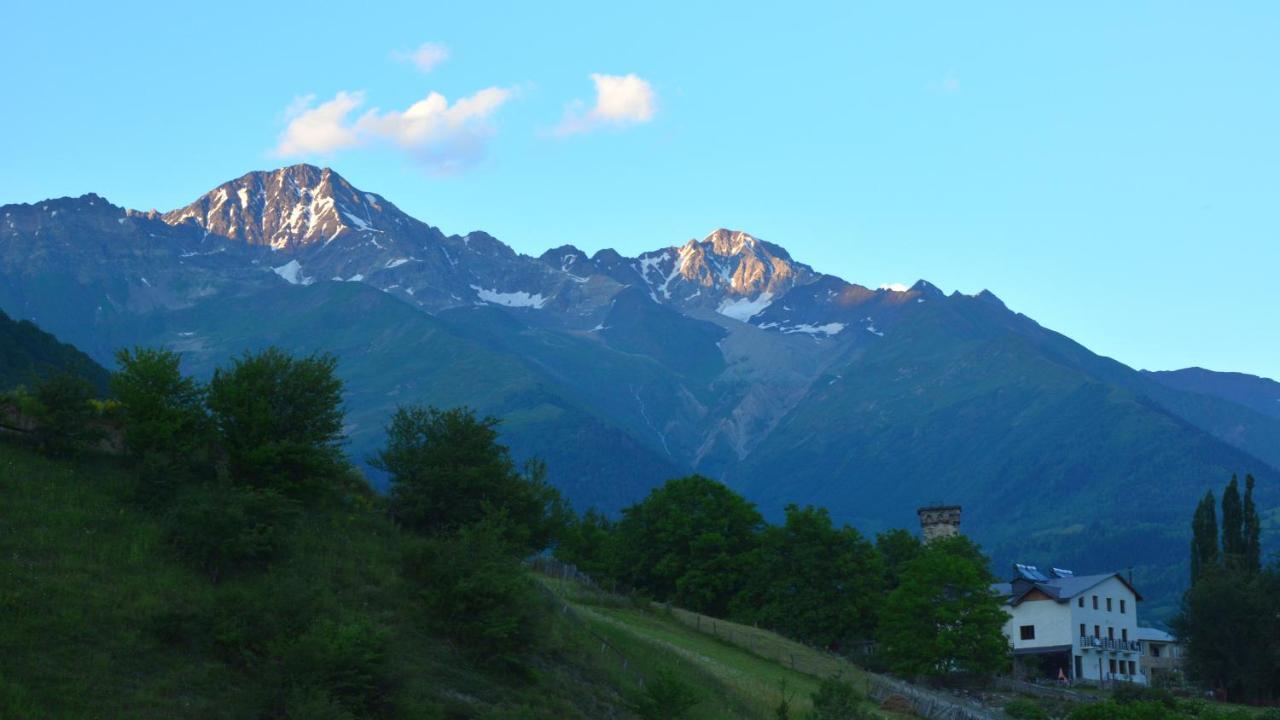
[{"x": 1062, "y": 589}]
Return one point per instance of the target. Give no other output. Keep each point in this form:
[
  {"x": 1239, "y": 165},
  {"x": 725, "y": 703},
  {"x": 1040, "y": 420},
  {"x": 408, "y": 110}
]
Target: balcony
[{"x": 1088, "y": 642}]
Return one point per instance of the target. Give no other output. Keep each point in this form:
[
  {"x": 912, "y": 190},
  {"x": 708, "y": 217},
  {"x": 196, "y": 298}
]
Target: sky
[{"x": 1112, "y": 170}]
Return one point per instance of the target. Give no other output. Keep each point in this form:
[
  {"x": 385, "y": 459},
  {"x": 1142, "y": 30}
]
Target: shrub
[
  {"x": 837, "y": 699},
  {"x": 665, "y": 697},
  {"x": 477, "y": 594},
  {"x": 223, "y": 530},
  {"x": 347, "y": 656}
]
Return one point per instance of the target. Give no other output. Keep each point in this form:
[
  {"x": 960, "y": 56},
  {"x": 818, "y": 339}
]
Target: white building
[{"x": 1082, "y": 628}]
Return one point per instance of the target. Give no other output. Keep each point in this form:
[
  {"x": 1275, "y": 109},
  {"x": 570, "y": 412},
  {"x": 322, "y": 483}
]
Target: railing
[{"x": 1112, "y": 644}]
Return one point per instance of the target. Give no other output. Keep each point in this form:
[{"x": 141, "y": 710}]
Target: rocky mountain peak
[{"x": 294, "y": 206}]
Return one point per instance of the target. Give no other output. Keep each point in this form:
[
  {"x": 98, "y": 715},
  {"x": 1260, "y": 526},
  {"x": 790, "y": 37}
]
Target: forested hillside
[{"x": 27, "y": 353}]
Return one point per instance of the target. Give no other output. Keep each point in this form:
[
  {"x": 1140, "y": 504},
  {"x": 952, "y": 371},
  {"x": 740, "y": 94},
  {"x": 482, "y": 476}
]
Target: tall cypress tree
[
  {"x": 1232, "y": 526},
  {"x": 1252, "y": 530},
  {"x": 1204, "y": 538}
]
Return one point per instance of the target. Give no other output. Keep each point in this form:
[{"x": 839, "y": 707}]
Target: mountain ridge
[{"x": 722, "y": 355}]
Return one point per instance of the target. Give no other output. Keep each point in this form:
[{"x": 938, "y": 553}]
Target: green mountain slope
[
  {"x": 1051, "y": 464},
  {"x": 390, "y": 353},
  {"x": 27, "y": 352}
]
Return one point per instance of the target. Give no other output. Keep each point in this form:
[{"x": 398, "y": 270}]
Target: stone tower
[{"x": 939, "y": 521}]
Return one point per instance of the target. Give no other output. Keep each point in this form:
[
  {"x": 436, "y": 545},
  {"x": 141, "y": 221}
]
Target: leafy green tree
[
  {"x": 1252, "y": 530},
  {"x": 66, "y": 422},
  {"x": 279, "y": 420},
  {"x": 587, "y": 542},
  {"x": 812, "y": 581},
  {"x": 688, "y": 542},
  {"x": 477, "y": 594},
  {"x": 448, "y": 471},
  {"x": 897, "y": 547},
  {"x": 1204, "y": 538},
  {"x": 943, "y": 617},
  {"x": 167, "y": 430},
  {"x": 1230, "y": 617},
  {"x": 1233, "y": 550},
  {"x": 163, "y": 411}
]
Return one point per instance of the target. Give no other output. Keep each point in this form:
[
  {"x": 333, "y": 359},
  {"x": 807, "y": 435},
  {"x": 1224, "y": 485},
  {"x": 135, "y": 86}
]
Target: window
[
  {"x": 1133, "y": 668},
  {"x": 1108, "y": 604},
  {"x": 1083, "y": 631},
  {"x": 1028, "y": 632},
  {"x": 1111, "y": 633},
  {"x": 1097, "y": 631},
  {"x": 1081, "y": 601},
  {"x": 1112, "y": 664},
  {"x": 1121, "y": 606},
  {"x": 1154, "y": 649},
  {"x": 1095, "y": 602},
  {"x": 1124, "y": 634}
]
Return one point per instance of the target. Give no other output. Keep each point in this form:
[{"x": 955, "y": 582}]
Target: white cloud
[
  {"x": 319, "y": 129},
  {"x": 425, "y": 58},
  {"x": 620, "y": 100},
  {"x": 445, "y": 138}
]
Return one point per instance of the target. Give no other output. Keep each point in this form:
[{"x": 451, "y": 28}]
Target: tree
[
  {"x": 688, "y": 542},
  {"x": 1229, "y": 627},
  {"x": 943, "y": 617},
  {"x": 1232, "y": 526},
  {"x": 1230, "y": 616},
  {"x": 1252, "y": 530},
  {"x": 167, "y": 430},
  {"x": 279, "y": 420},
  {"x": 587, "y": 542},
  {"x": 1204, "y": 538},
  {"x": 812, "y": 581},
  {"x": 897, "y": 547},
  {"x": 64, "y": 418},
  {"x": 449, "y": 471}
]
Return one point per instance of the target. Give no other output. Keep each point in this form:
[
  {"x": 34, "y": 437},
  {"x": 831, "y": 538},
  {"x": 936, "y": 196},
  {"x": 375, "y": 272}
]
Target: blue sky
[{"x": 1110, "y": 169}]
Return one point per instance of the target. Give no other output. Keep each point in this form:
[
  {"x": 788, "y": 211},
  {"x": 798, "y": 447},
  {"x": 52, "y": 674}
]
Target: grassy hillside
[
  {"x": 741, "y": 672},
  {"x": 27, "y": 353},
  {"x": 101, "y": 621}
]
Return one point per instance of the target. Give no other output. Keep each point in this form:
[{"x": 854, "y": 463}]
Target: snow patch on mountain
[
  {"x": 895, "y": 287},
  {"x": 292, "y": 273},
  {"x": 743, "y": 309},
  {"x": 518, "y": 298},
  {"x": 828, "y": 329}
]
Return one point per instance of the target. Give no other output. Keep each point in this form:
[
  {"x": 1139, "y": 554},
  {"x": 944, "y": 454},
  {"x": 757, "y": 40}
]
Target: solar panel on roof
[{"x": 1029, "y": 572}]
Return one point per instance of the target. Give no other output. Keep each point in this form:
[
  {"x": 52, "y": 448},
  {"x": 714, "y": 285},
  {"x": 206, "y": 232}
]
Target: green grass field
[{"x": 741, "y": 671}]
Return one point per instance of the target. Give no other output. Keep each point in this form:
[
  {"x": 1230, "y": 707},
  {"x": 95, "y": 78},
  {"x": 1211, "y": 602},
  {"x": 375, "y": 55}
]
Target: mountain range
[{"x": 721, "y": 355}]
